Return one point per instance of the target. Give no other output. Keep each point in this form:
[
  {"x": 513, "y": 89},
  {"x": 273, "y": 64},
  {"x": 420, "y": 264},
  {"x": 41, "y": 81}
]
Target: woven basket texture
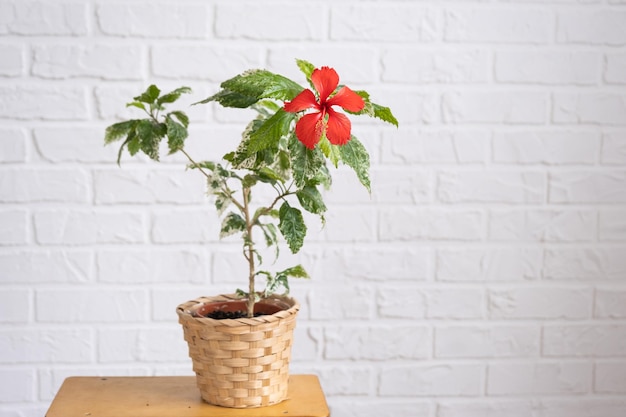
[{"x": 240, "y": 363}]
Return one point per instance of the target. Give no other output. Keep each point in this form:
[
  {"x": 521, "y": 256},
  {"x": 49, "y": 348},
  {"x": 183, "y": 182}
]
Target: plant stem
[{"x": 250, "y": 255}]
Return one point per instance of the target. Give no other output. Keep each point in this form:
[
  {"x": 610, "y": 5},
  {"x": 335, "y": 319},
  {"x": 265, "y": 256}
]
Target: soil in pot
[{"x": 235, "y": 309}]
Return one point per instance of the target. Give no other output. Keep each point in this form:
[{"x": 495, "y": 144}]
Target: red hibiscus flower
[{"x": 325, "y": 120}]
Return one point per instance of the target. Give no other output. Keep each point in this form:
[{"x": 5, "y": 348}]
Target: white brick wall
[{"x": 485, "y": 276}]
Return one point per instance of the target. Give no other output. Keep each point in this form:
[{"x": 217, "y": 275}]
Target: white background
[{"x": 484, "y": 276}]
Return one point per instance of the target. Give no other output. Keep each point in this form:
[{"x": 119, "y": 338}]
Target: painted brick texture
[{"x": 485, "y": 275}]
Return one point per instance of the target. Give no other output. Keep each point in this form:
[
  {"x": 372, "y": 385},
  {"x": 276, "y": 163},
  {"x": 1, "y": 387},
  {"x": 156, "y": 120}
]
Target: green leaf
[
  {"x": 176, "y": 135},
  {"x": 295, "y": 272},
  {"x": 311, "y": 199},
  {"x": 292, "y": 226},
  {"x": 119, "y": 130},
  {"x": 384, "y": 114},
  {"x": 306, "y": 163},
  {"x": 248, "y": 88},
  {"x": 232, "y": 223},
  {"x": 150, "y": 95},
  {"x": 268, "y": 134},
  {"x": 222, "y": 201},
  {"x": 229, "y": 98},
  {"x": 173, "y": 95},
  {"x": 150, "y": 134},
  {"x": 137, "y": 104},
  {"x": 306, "y": 67},
  {"x": 181, "y": 116},
  {"x": 355, "y": 156},
  {"x": 330, "y": 151}
]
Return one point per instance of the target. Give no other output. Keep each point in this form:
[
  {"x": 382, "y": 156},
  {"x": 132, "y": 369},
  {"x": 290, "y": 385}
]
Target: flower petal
[
  {"x": 309, "y": 129},
  {"x": 325, "y": 80},
  {"x": 304, "y": 100},
  {"x": 348, "y": 100},
  {"x": 338, "y": 128}
]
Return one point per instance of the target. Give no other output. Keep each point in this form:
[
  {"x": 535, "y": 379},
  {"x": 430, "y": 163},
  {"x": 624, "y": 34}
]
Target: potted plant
[{"x": 240, "y": 343}]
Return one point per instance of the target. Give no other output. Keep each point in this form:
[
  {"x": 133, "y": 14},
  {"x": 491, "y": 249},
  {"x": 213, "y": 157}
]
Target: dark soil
[{"x": 221, "y": 315}]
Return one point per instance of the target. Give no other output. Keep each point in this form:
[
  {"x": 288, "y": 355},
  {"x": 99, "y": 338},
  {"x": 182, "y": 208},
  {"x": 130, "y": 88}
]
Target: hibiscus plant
[{"x": 287, "y": 147}]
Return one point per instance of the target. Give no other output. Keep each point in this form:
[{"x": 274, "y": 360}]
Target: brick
[
  {"x": 587, "y": 187},
  {"x": 406, "y": 186},
  {"x": 495, "y": 107},
  {"x": 152, "y": 266},
  {"x": 456, "y": 303},
  {"x": 542, "y": 225},
  {"x": 346, "y": 264},
  {"x": 499, "y": 341},
  {"x": 228, "y": 267},
  {"x": 491, "y": 186},
  {"x": 12, "y": 64},
  {"x": 185, "y": 226},
  {"x": 538, "y": 377},
  {"x": 589, "y": 108},
  {"x": 377, "y": 343},
  {"x": 610, "y": 303},
  {"x": 402, "y": 23},
  {"x": 41, "y": 18},
  {"x": 340, "y": 303},
  {"x": 31, "y": 346},
  {"x": 585, "y": 263},
  {"x": 548, "y": 67},
  {"x": 73, "y": 144},
  {"x": 599, "y": 26},
  {"x": 498, "y": 25},
  {"x": 308, "y": 342},
  {"x": 198, "y": 61},
  {"x": 412, "y": 146},
  {"x": 609, "y": 377},
  {"x": 613, "y": 150},
  {"x": 184, "y": 21},
  {"x": 401, "y": 303},
  {"x": 546, "y": 147},
  {"x": 428, "y": 66},
  {"x": 38, "y": 102},
  {"x": 410, "y": 106},
  {"x": 12, "y": 145},
  {"x": 614, "y": 68},
  {"x": 14, "y": 229},
  {"x": 22, "y": 387},
  {"x": 432, "y": 380},
  {"x": 111, "y": 103},
  {"x": 571, "y": 407},
  {"x": 345, "y": 381},
  {"x": 269, "y": 22},
  {"x": 490, "y": 264},
  {"x": 355, "y": 63},
  {"x": 349, "y": 225},
  {"x": 56, "y": 227},
  {"x": 413, "y": 225},
  {"x": 91, "y": 305},
  {"x": 108, "y": 62},
  {"x": 15, "y": 306},
  {"x": 141, "y": 345},
  {"x": 540, "y": 303},
  {"x": 46, "y": 266},
  {"x": 142, "y": 186},
  {"x": 44, "y": 185},
  {"x": 165, "y": 300},
  {"x": 597, "y": 340}
]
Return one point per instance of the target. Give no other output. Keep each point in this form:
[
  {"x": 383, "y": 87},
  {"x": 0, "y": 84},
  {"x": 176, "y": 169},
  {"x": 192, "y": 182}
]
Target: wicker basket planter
[{"x": 240, "y": 363}]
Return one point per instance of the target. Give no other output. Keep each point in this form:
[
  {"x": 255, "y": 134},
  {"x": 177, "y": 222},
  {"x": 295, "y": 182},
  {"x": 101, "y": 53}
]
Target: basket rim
[{"x": 185, "y": 310}]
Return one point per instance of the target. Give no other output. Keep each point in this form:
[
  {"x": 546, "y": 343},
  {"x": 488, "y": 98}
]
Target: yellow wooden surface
[{"x": 173, "y": 396}]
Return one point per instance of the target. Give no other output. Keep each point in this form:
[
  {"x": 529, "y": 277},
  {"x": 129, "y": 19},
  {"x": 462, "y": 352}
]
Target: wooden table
[{"x": 173, "y": 396}]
